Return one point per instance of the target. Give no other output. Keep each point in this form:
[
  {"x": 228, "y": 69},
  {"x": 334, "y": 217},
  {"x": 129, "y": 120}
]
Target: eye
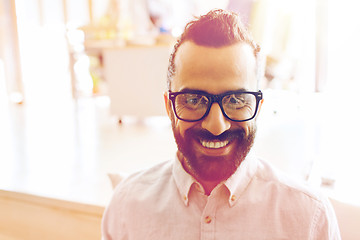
[
  {"x": 235, "y": 100},
  {"x": 194, "y": 101}
]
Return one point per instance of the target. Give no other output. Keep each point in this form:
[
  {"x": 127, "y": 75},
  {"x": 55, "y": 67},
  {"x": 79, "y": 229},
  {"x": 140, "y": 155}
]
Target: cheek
[
  {"x": 182, "y": 126},
  {"x": 247, "y": 126},
  {"x": 178, "y": 125}
]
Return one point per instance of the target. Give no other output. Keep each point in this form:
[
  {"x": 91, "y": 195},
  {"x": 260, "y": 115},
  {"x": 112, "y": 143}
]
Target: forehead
[{"x": 214, "y": 70}]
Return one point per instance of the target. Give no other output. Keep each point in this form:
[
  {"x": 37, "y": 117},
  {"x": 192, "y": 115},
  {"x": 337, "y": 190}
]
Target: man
[{"x": 215, "y": 189}]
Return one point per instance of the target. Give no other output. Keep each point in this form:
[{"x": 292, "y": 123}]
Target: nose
[{"x": 215, "y": 122}]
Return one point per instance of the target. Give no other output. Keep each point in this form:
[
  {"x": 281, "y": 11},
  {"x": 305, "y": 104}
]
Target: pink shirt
[{"x": 257, "y": 202}]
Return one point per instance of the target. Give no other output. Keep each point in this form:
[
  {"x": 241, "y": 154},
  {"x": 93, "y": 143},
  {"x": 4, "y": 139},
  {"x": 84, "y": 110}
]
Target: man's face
[{"x": 213, "y": 148}]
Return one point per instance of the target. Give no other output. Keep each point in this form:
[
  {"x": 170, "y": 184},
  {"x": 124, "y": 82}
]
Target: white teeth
[{"x": 214, "y": 144}]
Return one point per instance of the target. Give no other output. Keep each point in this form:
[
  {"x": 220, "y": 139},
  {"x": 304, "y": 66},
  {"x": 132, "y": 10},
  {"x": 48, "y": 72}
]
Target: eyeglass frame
[{"x": 215, "y": 98}]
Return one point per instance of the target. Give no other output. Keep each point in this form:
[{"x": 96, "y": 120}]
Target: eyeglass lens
[{"x": 237, "y": 106}]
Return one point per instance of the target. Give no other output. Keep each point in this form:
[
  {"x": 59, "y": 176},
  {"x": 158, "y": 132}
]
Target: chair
[{"x": 348, "y": 218}]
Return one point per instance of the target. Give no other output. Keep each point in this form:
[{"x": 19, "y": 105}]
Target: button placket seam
[{"x": 208, "y": 225}]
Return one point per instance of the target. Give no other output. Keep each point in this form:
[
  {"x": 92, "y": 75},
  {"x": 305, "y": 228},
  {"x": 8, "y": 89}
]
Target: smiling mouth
[{"x": 214, "y": 144}]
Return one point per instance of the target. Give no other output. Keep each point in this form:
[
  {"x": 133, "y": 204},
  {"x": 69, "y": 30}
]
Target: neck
[{"x": 207, "y": 185}]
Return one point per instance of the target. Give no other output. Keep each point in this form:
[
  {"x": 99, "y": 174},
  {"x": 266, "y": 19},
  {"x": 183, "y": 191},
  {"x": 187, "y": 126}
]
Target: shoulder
[
  {"x": 291, "y": 192},
  {"x": 140, "y": 189},
  {"x": 284, "y": 183},
  {"x": 145, "y": 180},
  {"x": 134, "y": 199},
  {"x": 149, "y": 175},
  {"x": 293, "y": 201}
]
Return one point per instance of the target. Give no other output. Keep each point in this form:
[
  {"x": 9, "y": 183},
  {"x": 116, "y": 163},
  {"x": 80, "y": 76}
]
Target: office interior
[{"x": 81, "y": 99}]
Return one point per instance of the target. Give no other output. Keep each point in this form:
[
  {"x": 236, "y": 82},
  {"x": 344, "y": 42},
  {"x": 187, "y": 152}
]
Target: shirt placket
[{"x": 208, "y": 220}]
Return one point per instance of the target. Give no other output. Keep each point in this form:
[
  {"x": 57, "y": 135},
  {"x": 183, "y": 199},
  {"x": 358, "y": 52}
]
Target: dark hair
[{"x": 218, "y": 28}]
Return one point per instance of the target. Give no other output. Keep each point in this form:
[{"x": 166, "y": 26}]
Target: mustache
[{"x": 208, "y": 136}]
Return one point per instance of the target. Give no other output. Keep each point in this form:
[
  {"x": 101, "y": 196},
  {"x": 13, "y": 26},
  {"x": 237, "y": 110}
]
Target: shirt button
[{"x": 207, "y": 219}]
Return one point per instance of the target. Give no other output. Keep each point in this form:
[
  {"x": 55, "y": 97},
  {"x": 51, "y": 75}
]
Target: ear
[
  {"x": 167, "y": 104},
  {"x": 259, "y": 108},
  {"x": 260, "y": 104}
]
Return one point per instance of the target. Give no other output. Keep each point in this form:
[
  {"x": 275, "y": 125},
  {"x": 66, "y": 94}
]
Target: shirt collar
[
  {"x": 183, "y": 181},
  {"x": 236, "y": 184}
]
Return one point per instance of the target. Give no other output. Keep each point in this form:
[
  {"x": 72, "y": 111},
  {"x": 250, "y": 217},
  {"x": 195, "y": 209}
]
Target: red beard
[{"x": 214, "y": 168}]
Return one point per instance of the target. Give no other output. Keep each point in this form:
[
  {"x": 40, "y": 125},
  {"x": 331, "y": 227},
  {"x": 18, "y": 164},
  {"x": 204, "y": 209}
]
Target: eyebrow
[{"x": 202, "y": 91}]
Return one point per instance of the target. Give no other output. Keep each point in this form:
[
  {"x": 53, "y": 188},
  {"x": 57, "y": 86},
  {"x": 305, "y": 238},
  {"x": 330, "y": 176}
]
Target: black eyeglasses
[{"x": 238, "y": 106}]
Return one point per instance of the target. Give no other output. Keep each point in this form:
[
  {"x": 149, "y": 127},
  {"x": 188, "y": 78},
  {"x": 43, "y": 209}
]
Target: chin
[{"x": 213, "y": 168}]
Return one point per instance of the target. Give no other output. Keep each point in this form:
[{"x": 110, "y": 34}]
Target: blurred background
[{"x": 81, "y": 86}]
